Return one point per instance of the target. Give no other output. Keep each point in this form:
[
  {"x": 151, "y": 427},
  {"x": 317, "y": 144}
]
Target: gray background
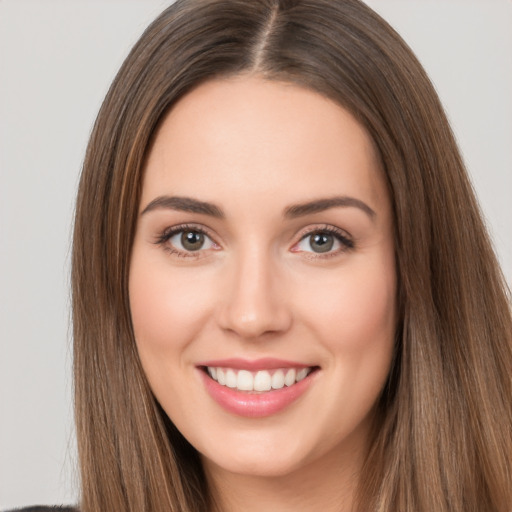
[{"x": 57, "y": 59}]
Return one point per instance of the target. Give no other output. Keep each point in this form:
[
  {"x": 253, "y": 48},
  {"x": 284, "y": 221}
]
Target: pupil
[
  {"x": 192, "y": 241},
  {"x": 322, "y": 242}
]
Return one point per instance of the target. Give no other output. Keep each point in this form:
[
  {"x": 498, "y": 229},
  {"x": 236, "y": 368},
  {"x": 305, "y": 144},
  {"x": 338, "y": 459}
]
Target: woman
[{"x": 284, "y": 294}]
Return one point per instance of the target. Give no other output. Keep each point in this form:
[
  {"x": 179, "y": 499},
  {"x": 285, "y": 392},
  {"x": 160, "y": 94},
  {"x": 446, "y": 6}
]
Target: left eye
[
  {"x": 190, "y": 241},
  {"x": 323, "y": 242}
]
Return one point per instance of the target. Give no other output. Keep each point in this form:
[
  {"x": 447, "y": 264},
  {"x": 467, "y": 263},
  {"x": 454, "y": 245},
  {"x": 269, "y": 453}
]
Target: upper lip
[{"x": 266, "y": 363}]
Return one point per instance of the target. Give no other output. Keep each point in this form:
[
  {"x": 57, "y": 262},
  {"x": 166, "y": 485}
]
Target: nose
[{"x": 254, "y": 299}]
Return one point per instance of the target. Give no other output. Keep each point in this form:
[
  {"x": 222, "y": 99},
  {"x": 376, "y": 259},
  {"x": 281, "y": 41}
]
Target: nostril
[{"x": 252, "y": 322}]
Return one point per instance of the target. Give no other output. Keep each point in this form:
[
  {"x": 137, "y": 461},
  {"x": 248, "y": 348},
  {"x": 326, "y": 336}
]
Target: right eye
[
  {"x": 183, "y": 241},
  {"x": 191, "y": 241}
]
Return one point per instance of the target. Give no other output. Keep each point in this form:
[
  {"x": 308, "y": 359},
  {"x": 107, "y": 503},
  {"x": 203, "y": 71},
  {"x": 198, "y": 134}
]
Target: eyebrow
[
  {"x": 184, "y": 204},
  {"x": 188, "y": 204},
  {"x": 320, "y": 205}
]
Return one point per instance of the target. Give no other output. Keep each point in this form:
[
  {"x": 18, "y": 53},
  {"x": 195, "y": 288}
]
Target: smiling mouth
[{"x": 257, "y": 381}]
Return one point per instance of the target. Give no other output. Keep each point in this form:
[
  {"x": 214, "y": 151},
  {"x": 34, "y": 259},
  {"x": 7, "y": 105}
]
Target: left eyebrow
[{"x": 320, "y": 205}]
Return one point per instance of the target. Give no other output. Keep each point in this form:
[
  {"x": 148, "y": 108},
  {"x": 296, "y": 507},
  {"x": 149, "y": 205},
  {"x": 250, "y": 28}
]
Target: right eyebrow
[{"x": 184, "y": 204}]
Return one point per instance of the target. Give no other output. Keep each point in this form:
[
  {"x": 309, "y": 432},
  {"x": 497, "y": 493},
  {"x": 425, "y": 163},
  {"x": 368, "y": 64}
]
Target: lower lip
[{"x": 255, "y": 405}]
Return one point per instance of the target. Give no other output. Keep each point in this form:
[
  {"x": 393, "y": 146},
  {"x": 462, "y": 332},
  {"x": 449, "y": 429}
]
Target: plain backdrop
[{"x": 57, "y": 59}]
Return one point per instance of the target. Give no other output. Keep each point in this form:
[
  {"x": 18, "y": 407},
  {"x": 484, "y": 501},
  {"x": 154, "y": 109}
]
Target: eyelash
[
  {"x": 168, "y": 233},
  {"x": 338, "y": 234},
  {"x": 341, "y": 236}
]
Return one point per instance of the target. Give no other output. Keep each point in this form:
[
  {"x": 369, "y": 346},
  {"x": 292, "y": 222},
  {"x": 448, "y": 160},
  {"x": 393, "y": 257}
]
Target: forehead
[{"x": 249, "y": 135}]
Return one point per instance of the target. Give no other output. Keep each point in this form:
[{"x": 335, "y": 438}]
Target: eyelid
[
  {"x": 342, "y": 236},
  {"x": 163, "y": 237}
]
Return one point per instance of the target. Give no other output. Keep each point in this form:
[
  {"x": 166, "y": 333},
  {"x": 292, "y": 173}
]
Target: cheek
[
  {"x": 368, "y": 314},
  {"x": 355, "y": 322},
  {"x": 357, "y": 308},
  {"x": 167, "y": 307}
]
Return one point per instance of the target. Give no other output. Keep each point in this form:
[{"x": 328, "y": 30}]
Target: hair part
[{"x": 443, "y": 439}]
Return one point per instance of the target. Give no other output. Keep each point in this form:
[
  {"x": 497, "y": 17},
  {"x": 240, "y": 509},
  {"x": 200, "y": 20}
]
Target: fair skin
[{"x": 253, "y": 282}]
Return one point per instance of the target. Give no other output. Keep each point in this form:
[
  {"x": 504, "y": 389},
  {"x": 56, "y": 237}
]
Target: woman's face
[{"x": 262, "y": 279}]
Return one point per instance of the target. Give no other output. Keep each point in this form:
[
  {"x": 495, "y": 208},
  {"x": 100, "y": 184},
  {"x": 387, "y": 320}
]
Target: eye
[
  {"x": 184, "y": 241},
  {"x": 324, "y": 241},
  {"x": 190, "y": 241}
]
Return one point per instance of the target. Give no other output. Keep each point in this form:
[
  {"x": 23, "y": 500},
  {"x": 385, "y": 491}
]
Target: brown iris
[
  {"x": 192, "y": 240},
  {"x": 321, "y": 242}
]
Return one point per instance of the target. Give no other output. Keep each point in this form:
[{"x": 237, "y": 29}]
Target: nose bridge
[{"x": 254, "y": 301}]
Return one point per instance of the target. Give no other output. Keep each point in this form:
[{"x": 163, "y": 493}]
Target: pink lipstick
[{"x": 256, "y": 388}]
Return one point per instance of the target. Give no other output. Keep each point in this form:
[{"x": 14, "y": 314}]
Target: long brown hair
[{"x": 443, "y": 438}]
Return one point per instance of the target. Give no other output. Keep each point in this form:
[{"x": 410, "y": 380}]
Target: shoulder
[{"x": 40, "y": 508}]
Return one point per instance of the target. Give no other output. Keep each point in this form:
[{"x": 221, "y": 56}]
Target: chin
[
  {"x": 262, "y": 465},
  {"x": 270, "y": 456}
]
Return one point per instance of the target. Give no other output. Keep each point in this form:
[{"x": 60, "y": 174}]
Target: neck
[{"x": 328, "y": 484}]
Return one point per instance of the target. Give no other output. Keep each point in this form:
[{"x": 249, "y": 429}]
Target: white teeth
[
  {"x": 230, "y": 379},
  {"x": 260, "y": 381},
  {"x": 301, "y": 374},
  {"x": 289, "y": 378},
  {"x": 245, "y": 381},
  {"x": 221, "y": 376},
  {"x": 278, "y": 380}
]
